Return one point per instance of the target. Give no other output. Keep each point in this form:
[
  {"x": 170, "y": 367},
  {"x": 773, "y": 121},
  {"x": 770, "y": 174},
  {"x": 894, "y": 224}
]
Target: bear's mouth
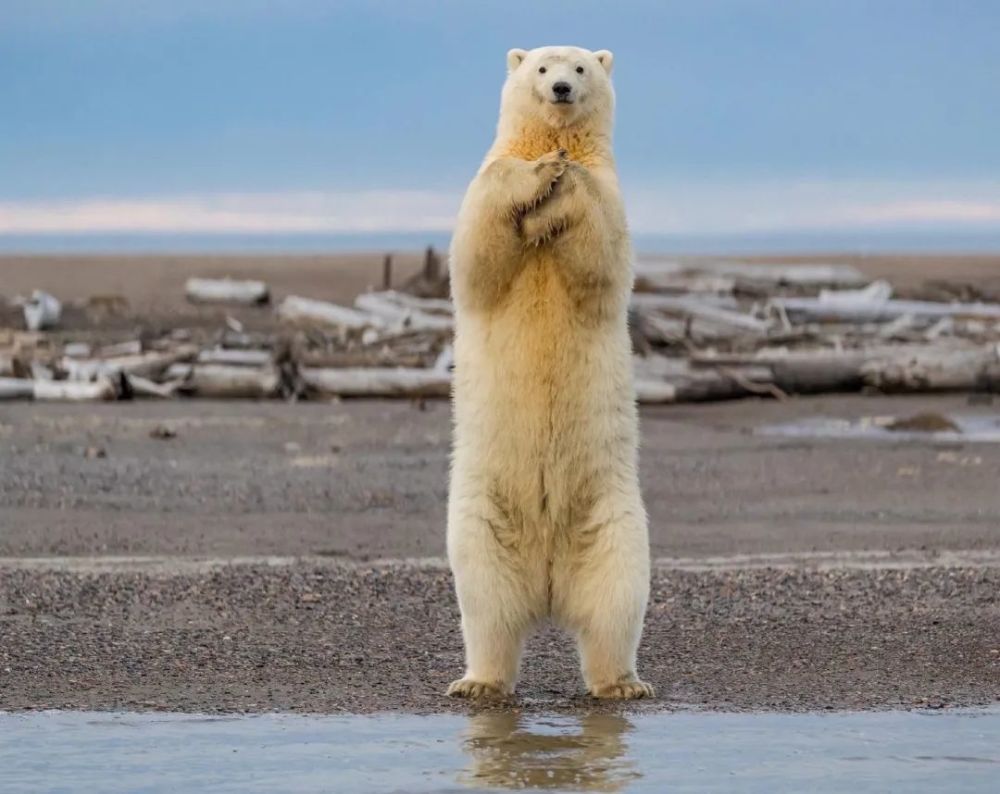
[{"x": 562, "y": 101}]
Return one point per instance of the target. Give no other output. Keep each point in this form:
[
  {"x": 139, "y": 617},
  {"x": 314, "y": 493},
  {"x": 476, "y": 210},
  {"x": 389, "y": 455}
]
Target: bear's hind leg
[
  {"x": 602, "y": 593},
  {"x": 499, "y": 607}
]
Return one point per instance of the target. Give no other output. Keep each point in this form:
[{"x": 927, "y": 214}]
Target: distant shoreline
[
  {"x": 153, "y": 284},
  {"x": 854, "y": 243}
]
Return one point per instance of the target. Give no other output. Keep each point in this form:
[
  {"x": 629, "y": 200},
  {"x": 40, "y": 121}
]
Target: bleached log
[
  {"x": 6, "y": 365},
  {"x": 150, "y": 364},
  {"x": 226, "y": 290},
  {"x": 384, "y": 306},
  {"x": 16, "y": 388},
  {"x": 442, "y": 306},
  {"x": 877, "y": 292},
  {"x": 910, "y": 368},
  {"x": 859, "y": 311},
  {"x": 653, "y": 392},
  {"x": 682, "y": 283},
  {"x": 42, "y": 311},
  {"x": 143, "y": 387},
  {"x": 703, "y": 310},
  {"x": 133, "y": 347},
  {"x": 225, "y": 382},
  {"x": 237, "y": 357},
  {"x": 40, "y": 371},
  {"x": 675, "y": 303},
  {"x": 807, "y": 274},
  {"x": 361, "y": 359},
  {"x": 445, "y": 360},
  {"x": 663, "y": 379},
  {"x": 382, "y": 382},
  {"x": 77, "y": 350},
  {"x": 934, "y": 370},
  {"x": 74, "y": 391},
  {"x": 306, "y": 310}
]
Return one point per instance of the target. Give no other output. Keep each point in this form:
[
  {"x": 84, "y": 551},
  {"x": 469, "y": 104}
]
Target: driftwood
[
  {"x": 393, "y": 312},
  {"x": 238, "y": 357},
  {"x": 16, "y": 388},
  {"x": 663, "y": 274},
  {"x": 150, "y": 364},
  {"x": 702, "y": 310},
  {"x": 652, "y": 392},
  {"x": 133, "y": 347},
  {"x": 42, "y": 311},
  {"x": 225, "y": 382},
  {"x": 143, "y": 387},
  {"x": 225, "y": 290},
  {"x": 682, "y": 283},
  {"x": 664, "y": 380},
  {"x": 705, "y": 331},
  {"x": 909, "y": 368},
  {"x": 975, "y": 370},
  {"x": 861, "y": 309},
  {"x": 432, "y": 280},
  {"x": 74, "y": 391},
  {"x": 361, "y": 359},
  {"x": 307, "y": 311},
  {"x": 384, "y": 382}
]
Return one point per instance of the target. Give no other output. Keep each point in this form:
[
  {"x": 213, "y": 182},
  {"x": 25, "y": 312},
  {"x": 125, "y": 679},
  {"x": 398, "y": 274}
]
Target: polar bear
[{"x": 545, "y": 517}]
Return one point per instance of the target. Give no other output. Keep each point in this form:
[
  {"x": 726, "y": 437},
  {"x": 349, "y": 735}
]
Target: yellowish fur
[{"x": 545, "y": 518}]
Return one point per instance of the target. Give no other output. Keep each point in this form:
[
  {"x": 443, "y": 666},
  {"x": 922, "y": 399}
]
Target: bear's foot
[
  {"x": 629, "y": 689},
  {"x": 475, "y": 690}
]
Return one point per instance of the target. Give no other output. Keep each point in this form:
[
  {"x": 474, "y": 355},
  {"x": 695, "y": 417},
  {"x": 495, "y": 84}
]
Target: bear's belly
[{"x": 543, "y": 402}]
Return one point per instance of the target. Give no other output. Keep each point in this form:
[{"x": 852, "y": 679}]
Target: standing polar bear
[{"x": 545, "y": 517}]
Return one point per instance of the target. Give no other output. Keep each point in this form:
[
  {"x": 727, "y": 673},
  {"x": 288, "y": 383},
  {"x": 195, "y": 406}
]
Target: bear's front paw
[
  {"x": 548, "y": 168},
  {"x": 539, "y": 228},
  {"x": 623, "y": 690},
  {"x": 475, "y": 690}
]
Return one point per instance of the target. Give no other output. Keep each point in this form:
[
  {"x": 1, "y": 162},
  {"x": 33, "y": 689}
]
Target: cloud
[
  {"x": 677, "y": 208},
  {"x": 265, "y": 213},
  {"x": 794, "y": 206}
]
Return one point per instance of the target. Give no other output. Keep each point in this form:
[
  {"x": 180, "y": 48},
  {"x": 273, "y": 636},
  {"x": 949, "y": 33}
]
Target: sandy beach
[
  {"x": 248, "y": 556},
  {"x": 275, "y": 556}
]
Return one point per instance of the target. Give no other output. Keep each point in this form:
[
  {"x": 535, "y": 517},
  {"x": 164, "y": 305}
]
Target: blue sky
[{"x": 297, "y": 116}]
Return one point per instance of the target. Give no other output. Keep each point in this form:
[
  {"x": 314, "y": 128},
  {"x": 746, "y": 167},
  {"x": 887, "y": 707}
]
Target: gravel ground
[
  {"x": 368, "y": 479},
  {"x": 371, "y": 638},
  {"x": 345, "y": 485}
]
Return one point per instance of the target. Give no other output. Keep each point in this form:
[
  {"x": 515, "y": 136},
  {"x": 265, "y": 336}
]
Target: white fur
[{"x": 545, "y": 518}]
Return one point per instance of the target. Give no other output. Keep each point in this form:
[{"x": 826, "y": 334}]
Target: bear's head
[{"x": 559, "y": 86}]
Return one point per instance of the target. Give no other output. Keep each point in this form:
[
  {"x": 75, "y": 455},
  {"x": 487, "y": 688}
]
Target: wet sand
[{"x": 792, "y": 573}]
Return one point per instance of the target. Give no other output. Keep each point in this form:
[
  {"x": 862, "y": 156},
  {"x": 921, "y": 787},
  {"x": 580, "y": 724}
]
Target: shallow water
[
  {"x": 969, "y": 428},
  {"x": 952, "y": 751}
]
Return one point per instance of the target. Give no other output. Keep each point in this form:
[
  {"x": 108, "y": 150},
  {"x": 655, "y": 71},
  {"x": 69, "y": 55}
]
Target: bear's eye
[
  {"x": 542, "y": 70},
  {"x": 579, "y": 70}
]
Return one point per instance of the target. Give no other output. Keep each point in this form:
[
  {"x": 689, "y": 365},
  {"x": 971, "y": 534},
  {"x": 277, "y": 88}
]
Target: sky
[{"x": 296, "y": 117}]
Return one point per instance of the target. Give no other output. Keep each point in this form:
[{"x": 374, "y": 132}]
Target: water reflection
[{"x": 585, "y": 753}]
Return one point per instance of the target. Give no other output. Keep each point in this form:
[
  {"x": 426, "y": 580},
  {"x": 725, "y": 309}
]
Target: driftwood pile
[
  {"x": 701, "y": 331},
  {"x": 721, "y": 330}
]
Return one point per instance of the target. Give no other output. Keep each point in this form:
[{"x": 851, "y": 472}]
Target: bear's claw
[
  {"x": 623, "y": 690},
  {"x": 475, "y": 690}
]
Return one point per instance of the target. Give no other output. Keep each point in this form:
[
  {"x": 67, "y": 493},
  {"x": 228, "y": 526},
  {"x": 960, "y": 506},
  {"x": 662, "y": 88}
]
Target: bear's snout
[{"x": 562, "y": 91}]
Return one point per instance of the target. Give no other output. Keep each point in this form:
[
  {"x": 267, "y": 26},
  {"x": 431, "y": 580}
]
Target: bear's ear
[
  {"x": 605, "y": 59},
  {"x": 514, "y": 58}
]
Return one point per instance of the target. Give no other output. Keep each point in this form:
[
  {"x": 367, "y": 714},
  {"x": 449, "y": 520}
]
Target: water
[
  {"x": 969, "y": 428},
  {"x": 953, "y": 751}
]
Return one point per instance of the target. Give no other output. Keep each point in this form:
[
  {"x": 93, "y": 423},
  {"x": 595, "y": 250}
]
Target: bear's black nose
[{"x": 561, "y": 90}]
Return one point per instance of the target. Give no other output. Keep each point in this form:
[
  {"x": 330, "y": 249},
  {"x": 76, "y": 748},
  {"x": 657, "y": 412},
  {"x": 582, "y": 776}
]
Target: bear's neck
[{"x": 529, "y": 140}]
